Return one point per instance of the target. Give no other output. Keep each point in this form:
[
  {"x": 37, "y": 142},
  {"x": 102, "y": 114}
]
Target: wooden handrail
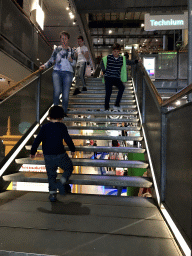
[
  {"x": 177, "y": 96},
  {"x": 19, "y": 83}
]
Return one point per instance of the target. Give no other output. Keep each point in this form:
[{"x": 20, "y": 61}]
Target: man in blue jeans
[
  {"x": 52, "y": 135},
  {"x": 82, "y": 56}
]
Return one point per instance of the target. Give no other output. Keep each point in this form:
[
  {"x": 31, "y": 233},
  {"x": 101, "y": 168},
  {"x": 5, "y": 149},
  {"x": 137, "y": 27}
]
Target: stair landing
[{"x": 82, "y": 225}]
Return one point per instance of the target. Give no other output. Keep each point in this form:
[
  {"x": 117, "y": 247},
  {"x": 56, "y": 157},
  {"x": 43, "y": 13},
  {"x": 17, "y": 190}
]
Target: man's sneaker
[
  {"x": 53, "y": 197},
  {"x": 61, "y": 188},
  {"x": 77, "y": 91},
  {"x": 84, "y": 88},
  {"x": 117, "y": 109}
]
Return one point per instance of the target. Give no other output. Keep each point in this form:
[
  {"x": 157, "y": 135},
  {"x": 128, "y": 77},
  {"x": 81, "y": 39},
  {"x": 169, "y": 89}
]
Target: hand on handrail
[{"x": 42, "y": 67}]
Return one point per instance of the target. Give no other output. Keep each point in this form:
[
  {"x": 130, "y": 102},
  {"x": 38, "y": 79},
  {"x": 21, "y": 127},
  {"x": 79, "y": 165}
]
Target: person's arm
[
  {"x": 102, "y": 66},
  {"x": 131, "y": 62},
  {"x": 36, "y": 143},
  {"x": 50, "y": 62},
  {"x": 68, "y": 139}
]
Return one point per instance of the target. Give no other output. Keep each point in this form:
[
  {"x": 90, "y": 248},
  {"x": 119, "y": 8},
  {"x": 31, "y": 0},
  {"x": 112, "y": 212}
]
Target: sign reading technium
[{"x": 166, "y": 22}]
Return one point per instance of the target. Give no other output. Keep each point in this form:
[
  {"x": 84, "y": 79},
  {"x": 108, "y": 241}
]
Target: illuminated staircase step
[
  {"x": 89, "y": 162},
  {"x": 83, "y": 179},
  {"x": 101, "y": 149},
  {"x": 100, "y": 113}
]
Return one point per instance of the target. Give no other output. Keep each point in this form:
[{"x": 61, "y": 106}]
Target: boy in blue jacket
[{"x": 51, "y": 135}]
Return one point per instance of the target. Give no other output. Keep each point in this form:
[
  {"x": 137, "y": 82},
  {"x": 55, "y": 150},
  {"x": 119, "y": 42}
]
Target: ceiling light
[
  {"x": 142, "y": 25},
  {"x": 110, "y": 31},
  {"x": 67, "y": 8},
  {"x": 178, "y": 103}
]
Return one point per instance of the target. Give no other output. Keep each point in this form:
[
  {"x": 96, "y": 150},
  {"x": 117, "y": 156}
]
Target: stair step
[
  {"x": 102, "y": 120},
  {"x": 99, "y": 95},
  {"x": 102, "y": 90},
  {"x": 83, "y": 179},
  {"x": 99, "y": 113},
  {"x": 100, "y": 106},
  {"x": 89, "y": 162},
  {"x": 99, "y": 100},
  {"x": 101, "y": 149},
  {"x": 106, "y": 128},
  {"x": 106, "y": 137}
]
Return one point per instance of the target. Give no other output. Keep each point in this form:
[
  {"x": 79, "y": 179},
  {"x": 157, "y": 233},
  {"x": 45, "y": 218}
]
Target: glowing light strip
[
  {"x": 148, "y": 152},
  {"x": 176, "y": 232},
  {"x": 9, "y": 161}
]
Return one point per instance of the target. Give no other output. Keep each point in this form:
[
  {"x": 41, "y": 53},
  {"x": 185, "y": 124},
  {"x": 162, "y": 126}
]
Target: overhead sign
[{"x": 166, "y": 22}]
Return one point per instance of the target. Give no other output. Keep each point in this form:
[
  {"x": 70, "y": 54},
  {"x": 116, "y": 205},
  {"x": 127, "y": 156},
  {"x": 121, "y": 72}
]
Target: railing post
[
  {"x": 163, "y": 152},
  {"x": 143, "y": 100},
  {"x": 38, "y": 96}
]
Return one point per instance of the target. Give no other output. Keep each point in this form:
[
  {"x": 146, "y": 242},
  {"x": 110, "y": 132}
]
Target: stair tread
[
  {"x": 106, "y": 137},
  {"x": 99, "y": 113},
  {"x": 103, "y": 149},
  {"x": 105, "y": 120},
  {"x": 127, "y": 128},
  {"x": 100, "y": 106},
  {"x": 89, "y": 162},
  {"x": 83, "y": 179}
]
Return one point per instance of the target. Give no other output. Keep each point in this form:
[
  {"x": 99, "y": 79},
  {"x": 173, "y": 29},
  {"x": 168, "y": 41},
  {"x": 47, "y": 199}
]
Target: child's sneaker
[
  {"x": 53, "y": 197},
  {"x": 61, "y": 188}
]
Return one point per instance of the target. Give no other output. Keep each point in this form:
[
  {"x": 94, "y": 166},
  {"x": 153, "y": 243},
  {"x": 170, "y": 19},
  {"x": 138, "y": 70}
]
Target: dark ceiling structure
[{"x": 110, "y": 21}]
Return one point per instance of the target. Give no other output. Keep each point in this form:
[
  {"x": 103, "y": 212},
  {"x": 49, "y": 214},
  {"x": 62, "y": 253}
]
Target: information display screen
[{"x": 149, "y": 64}]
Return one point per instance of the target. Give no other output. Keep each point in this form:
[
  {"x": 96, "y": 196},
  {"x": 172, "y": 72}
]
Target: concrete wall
[{"x": 12, "y": 69}]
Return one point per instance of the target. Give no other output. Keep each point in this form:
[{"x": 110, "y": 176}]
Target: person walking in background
[
  {"x": 82, "y": 56},
  {"x": 51, "y": 135},
  {"x": 63, "y": 59},
  {"x": 115, "y": 73}
]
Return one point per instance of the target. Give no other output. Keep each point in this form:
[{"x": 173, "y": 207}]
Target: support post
[
  {"x": 38, "y": 96},
  {"x": 163, "y": 152},
  {"x": 143, "y": 101},
  {"x": 189, "y": 46}
]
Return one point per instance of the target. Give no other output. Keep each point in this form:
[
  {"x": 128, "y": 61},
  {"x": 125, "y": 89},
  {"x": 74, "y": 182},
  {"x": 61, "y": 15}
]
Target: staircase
[{"x": 91, "y": 224}]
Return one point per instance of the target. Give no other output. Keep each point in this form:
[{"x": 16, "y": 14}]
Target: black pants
[{"x": 109, "y": 82}]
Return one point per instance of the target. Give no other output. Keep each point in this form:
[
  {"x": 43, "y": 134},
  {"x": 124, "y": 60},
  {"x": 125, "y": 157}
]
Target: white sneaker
[{"x": 117, "y": 109}]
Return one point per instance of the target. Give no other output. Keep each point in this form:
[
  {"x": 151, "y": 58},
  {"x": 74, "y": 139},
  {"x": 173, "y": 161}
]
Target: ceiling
[{"x": 122, "y": 17}]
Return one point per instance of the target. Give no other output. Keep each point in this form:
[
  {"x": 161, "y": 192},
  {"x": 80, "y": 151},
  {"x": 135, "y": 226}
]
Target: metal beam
[
  {"x": 111, "y": 6},
  {"x": 116, "y": 24}
]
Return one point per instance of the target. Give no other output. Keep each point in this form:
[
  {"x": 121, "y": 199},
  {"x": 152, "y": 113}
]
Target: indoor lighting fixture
[
  {"x": 142, "y": 25},
  {"x": 178, "y": 102},
  {"x": 110, "y": 31}
]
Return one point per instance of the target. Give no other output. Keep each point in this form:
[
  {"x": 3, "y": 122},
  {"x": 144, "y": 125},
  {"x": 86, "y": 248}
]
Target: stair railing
[
  {"x": 23, "y": 111},
  {"x": 168, "y": 139}
]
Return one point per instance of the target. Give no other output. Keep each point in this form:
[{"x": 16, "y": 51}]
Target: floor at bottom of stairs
[{"x": 83, "y": 225}]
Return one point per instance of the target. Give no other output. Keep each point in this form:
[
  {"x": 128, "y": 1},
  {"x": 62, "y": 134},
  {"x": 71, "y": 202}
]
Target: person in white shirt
[{"x": 82, "y": 56}]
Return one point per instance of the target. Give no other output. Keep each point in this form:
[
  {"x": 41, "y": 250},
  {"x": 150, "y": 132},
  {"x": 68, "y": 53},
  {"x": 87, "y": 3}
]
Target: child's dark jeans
[{"x": 52, "y": 162}]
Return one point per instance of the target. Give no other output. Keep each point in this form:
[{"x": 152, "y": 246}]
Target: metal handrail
[
  {"x": 19, "y": 83},
  {"x": 175, "y": 97}
]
